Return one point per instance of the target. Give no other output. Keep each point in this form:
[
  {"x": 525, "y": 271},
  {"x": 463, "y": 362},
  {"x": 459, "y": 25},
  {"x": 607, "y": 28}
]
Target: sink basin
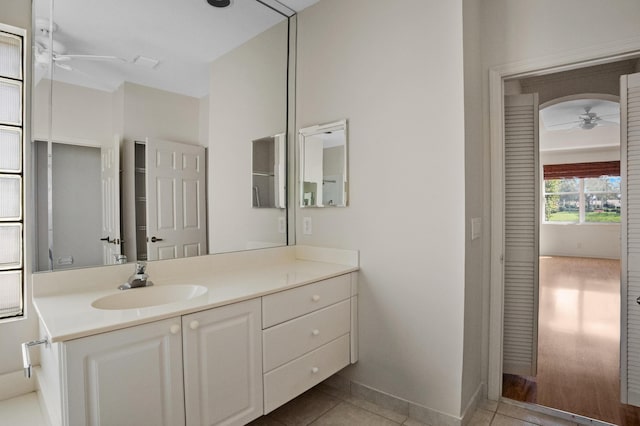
[{"x": 149, "y": 296}]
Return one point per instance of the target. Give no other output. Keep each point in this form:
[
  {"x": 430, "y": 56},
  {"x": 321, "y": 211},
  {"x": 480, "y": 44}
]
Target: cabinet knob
[
  {"x": 315, "y": 298},
  {"x": 175, "y": 329},
  {"x": 314, "y": 370},
  {"x": 194, "y": 325},
  {"x": 315, "y": 332}
]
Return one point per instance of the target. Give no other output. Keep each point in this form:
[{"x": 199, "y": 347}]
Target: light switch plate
[
  {"x": 307, "y": 226},
  {"x": 476, "y": 228}
]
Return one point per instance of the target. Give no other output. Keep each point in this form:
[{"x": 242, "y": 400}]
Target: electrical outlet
[
  {"x": 282, "y": 225},
  {"x": 307, "y": 226}
]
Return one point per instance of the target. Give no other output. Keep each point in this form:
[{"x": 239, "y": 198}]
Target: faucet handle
[{"x": 141, "y": 268}]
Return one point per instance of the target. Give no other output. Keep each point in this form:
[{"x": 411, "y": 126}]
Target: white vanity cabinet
[
  {"x": 223, "y": 364},
  {"x": 226, "y": 365},
  {"x": 131, "y": 377},
  {"x": 306, "y": 337}
]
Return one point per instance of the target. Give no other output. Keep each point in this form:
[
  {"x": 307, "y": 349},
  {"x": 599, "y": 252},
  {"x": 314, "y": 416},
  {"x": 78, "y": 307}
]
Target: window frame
[
  {"x": 24, "y": 131},
  {"x": 581, "y": 202}
]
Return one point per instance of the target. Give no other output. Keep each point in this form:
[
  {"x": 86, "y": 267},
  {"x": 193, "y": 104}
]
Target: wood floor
[{"x": 578, "y": 342}]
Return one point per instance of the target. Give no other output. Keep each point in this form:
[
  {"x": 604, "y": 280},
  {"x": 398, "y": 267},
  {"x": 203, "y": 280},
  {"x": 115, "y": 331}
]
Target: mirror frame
[{"x": 306, "y": 132}]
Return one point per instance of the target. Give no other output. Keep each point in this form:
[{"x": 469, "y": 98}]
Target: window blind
[{"x": 582, "y": 170}]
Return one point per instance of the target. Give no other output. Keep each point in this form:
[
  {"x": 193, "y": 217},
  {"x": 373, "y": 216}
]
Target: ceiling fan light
[{"x": 588, "y": 125}]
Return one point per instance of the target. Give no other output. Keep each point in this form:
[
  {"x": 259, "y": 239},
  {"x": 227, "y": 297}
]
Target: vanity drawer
[
  {"x": 290, "y": 380},
  {"x": 289, "y": 304},
  {"x": 291, "y": 339}
]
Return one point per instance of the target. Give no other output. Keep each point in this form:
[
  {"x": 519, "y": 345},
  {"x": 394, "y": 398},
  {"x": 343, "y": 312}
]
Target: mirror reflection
[
  {"x": 268, "y": 172},
  {"x": 143, "y": 129},
  {"x": 323, "y": 165}
]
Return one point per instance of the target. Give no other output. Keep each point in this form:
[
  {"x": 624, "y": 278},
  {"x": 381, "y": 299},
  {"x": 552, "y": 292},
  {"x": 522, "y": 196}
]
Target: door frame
[{"x": 573, "y": 59}]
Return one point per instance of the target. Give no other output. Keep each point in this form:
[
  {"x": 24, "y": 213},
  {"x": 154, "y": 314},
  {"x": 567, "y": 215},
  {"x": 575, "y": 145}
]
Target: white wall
[
  {"x": 80, "y": 115},
  {"x": 523, "y": 30},
  {"x": 247, "y": 102},
  {"x": 396, "y": 73},
  {"x": 159, "y": 114},
  {"x": 586, "y": 240}
]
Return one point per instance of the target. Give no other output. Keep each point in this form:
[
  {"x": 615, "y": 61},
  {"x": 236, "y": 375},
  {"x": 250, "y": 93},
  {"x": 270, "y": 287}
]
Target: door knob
[
  {"x": 315, "y": 332},
  {"x": 107, "y": 239},
  {"x": 314, "y": 370},
  {"x": 175, "y": 328},
  {"x": 154, "y": 239},
  {"x": 194, "y": 325},
  {"x": 315, "y": 298}
]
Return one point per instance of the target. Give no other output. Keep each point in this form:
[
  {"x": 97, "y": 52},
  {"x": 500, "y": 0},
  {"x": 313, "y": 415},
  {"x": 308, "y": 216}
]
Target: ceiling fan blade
[
  {"x": 91, "y": 58},
  {"x": 564, "y": 124},
  {"x": 64, "y": 66}
]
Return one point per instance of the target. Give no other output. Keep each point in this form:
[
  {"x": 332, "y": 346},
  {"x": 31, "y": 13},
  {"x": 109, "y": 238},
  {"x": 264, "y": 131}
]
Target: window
[
  {"x": 11, "y": 173},
  {"x": 579, "y": 193}
]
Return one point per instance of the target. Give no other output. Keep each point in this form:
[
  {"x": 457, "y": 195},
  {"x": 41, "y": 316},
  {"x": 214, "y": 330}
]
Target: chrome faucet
[{"x": 139, "y": 279}]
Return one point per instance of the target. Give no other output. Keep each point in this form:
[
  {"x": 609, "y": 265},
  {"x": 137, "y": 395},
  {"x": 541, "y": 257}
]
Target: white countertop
[{"x": 67, "y": 314}]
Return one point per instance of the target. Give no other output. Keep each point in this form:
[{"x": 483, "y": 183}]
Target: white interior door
[
  {"x": 521, "y": 221},
  {"x": 176, "y": 207},
  {"x": 630, "y": 262},
  {"x": 110, "y": 176}
]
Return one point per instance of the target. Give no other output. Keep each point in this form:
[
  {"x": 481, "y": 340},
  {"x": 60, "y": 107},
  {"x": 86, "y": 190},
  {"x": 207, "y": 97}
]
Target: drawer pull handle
[
  {"x": 194, "y": 325},
  {"x": 175, "y": 328},
  {"x": 314, "y": 370},
  {"x": 315, "y": 298},
  {"x": 315, "y": 332}
]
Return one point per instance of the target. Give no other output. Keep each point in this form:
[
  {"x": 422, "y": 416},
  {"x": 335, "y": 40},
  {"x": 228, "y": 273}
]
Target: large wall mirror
[
  {"x": 323, "y": 165},
  {"x": 143, "y": 121}
]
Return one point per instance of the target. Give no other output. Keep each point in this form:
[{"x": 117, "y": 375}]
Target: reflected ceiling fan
[
  {"x": 49, "y": 50},
  {"x": 586, "y": 121}
]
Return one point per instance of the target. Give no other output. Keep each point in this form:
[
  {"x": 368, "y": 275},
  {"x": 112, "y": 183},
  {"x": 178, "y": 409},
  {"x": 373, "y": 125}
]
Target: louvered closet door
[
  {"x": 630, "y": 168},
  {"x": 521, "y": 217}
]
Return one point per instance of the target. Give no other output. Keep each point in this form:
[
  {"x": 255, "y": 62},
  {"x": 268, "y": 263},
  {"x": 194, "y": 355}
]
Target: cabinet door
[
  {"x": 126, "y": 377},
  {"x": 223, "y": 365}
]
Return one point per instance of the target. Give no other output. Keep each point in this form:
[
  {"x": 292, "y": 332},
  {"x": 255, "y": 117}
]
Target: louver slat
[
  {"x": 630, "y": 164},
  {"x": 521, "y": 232}
]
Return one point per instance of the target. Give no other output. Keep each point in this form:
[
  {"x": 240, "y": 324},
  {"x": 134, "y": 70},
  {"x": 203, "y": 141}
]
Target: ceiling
[
  {"x": 184, "y": 39},
  {"x": 562, "y": 125}
]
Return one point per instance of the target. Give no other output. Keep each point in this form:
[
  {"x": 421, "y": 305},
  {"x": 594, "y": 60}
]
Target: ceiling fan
[
  {"x": 586, "y": 121},
  {"x": 49, "y": 50}
]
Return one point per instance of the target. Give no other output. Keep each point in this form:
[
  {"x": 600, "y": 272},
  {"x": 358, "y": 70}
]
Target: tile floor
[
  {"x": 324, "y": 405},
  {"x": 320, "y": 406}
]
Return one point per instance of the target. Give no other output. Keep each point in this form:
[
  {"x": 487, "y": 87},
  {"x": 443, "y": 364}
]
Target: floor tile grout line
[
  {"x": 372, "y": 412},
  {"x": 516, "y": 418},
  {"x": 378, "y": 414},
  {"x": 325, "y": 413}
]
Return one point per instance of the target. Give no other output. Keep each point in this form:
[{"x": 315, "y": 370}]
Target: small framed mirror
[
  {"x": 323, "y": 165},
  {"x": 268, "y": 172}
]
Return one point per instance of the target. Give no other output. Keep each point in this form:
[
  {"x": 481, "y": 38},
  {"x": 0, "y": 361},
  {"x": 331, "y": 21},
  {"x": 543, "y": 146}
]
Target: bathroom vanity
[{"x": 269, "y": 325}]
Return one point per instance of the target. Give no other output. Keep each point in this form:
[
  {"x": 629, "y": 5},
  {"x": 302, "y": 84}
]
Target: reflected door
[
  {"x": 110, "y": 177},
  {"x": 176, "y": 209}
]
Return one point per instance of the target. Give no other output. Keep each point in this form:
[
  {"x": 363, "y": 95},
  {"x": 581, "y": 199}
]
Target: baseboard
[
  {"x": 472, "y": 406},
  {"x": 402, "y": 406},
  {"x": 15, "y": 384}
]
